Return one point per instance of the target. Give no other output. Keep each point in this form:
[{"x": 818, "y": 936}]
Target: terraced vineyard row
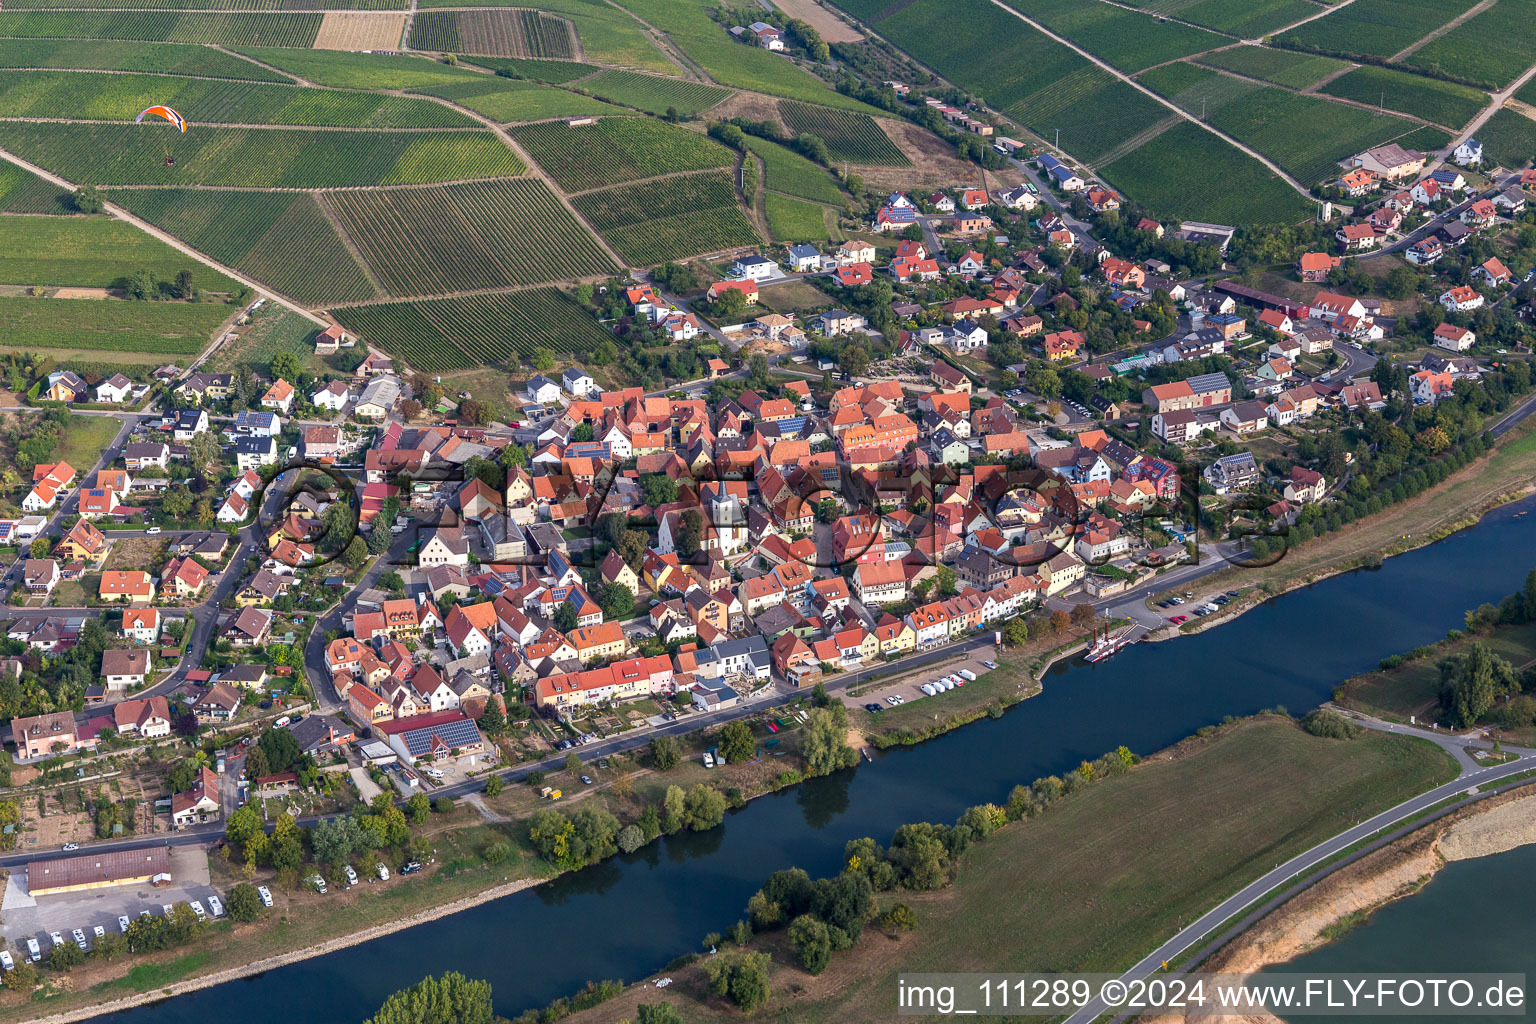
[
  {"x": 1093, "y": 111},
  {"x": 361, "y": 70},
  {"x": 1509, "y": 138},
  {"x": 21, "y": 191},
  {"x": 795, "y": 220},
  {"x": 441, "y": 335},
  {"x": 553, "y": 71},
  {"x": 1491, "y": 48},
  {"x": 1246, "y": 19},
  {"x": 654, "y": 93},
  {"x": 463, "y": 237},
  {"x": 1442, "y": 102},
  {"x": 851, "y": 137},
  {"x": 1283, "y": 67},
  {"x": 280, "y": 238},
  {"x": 1128, "y": 40},
  {"x": 118, "y": 154},
  {"x": 218, "y": 5},
  {"x": 156, "y": 58},
  {"x": 669, "y": 218},
  {"x": 119, "y": 97},
  {"x": 616, "y": 150},
  {"x": 164, "y": 27},
  {"x": 505, "y": 32},
  {"x": 1375, "y": 28}
]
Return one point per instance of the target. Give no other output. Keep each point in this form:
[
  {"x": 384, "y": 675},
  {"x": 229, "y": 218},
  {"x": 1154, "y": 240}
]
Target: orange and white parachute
[{"x": 165, "y": 112}]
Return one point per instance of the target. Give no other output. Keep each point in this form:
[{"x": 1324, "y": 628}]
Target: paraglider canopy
[{"x": 165, "y": 112}]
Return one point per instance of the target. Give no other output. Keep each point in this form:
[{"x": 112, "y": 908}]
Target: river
[{"x": 627, "y": 917}]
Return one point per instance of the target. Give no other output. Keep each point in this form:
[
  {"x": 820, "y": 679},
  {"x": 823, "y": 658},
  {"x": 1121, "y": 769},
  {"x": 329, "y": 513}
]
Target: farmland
[
  {"x": 1095, "y": 113},
  {"x": 273, "y": 329},
  {"x": 459, "y": 237},
  {"x": 795, "y": 220},
  {"x": 1305, "y": 135},
  {"x": 169, "y": 328},
  {"x": 616, "y": 150},
  {"x": 360, "y": 70},
  {"x": 1128, "y": 40},
  {"x": 507, "y": 99},
  {"x": 90, "y": 252},
  {"x": 164, "y": 27},
  {"x": 21, "y": 191},
  {"x": 1491, "y": 48},
  {"x": 1430, "y": 98},
  {"x": 850, "y": 137},
  {"x": 1509, "y": 139},
  {"x": 1375, "y": 28},
  {"x": 608, "y": 34},
  {"x": 360, "y": 30},
  {"x": 505, "y": 32},
  {"x": 556, "y": 72},
  {"x": 441, "y": 335},
  {"x": 119, "y": 97},
  {"x": 669, "y": 218},
  {"x": 158, "y": 58},
  {"x": 1246, "y": 19},
  {"x": 219, "y": 5},
  {"x": 1283, "y": 67},
  {"x": 280, "y": 238},
  {"x": 792, "y": 174},
  {"x": 653, "y": 93},
  {"x": 118, "y": 154},
  {"x": 1188, "y": 172}
]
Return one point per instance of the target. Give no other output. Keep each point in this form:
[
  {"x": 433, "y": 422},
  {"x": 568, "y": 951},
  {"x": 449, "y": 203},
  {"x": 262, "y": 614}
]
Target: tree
[
  {"x": 66, "y": 958},
  {"x": 566, "y": 617},
  {"x": 182, "y": 774},
  {"x": 419, "y": 808},
  {"x": 243, "y": 823},
  {"x": 1471, "y": 681},
  {"x": 737, "y": 743},
  {"x": 632, "y": 547},
  {"x": 825, "y": 747},
  {"x": 41, "y": 546},
  {"x": 244, "y": 902},
  {"x": 813, "y": 945},
  {"x": 631, "y": 838},
  {"x": 658, "y": 489},
  {"x": 1015, "y": 632},
  {"x": 356, "y": 552},
  {"x": 703, "y": 807},
  {"x": 617, "y": 602},
  {"x": 281, "y": 748},
  {"x": 945, "y": 576},
  {"x": 743, "y": 979},
  {"x": 673, "y": 803},
  {"x": 657, "y": 1013},
  {"x": 573, "y": 762},
  {"x": 87, "y": 199},
  {"x": 690, "y": 533},
  {"x": 493, "y": 785},
  {"x": 664, "y": 753},
  {"x": 1060, "y": 620},
  {"x": 451, "y": 999},
  {"x": 286, "y": 365},
  {"x": 1083, "y": 613}
]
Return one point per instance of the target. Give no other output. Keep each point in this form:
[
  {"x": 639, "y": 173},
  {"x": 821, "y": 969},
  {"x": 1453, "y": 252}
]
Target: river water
[{"x": 628, "y": 916}]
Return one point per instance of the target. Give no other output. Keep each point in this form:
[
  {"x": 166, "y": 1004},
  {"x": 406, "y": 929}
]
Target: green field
[
  {"x": 616, "y": 150},
  {"x": 669, "y": 218},
  {"x": 653, "y": 93},
  {"x": 273, "y": 329},
  {"x": 1283, "y": 67},
  {"x": 1187, "y": 172},
  {"x": 462, "y": 237},
  {"x": 505, "y": 32},
  {"x": 608, "y": 34},
  {"x": 850, "y": 137},
  {"x": 792, "y": 174},
  {"x": 172, "y": 328},
  {"x": 157, "y": 58},
  {"x": 120, "y": 97},
  {"x": 1303, "y": 134},
  {"x": 90, "y": 252},
  {"x": 118, "y": 154},
  {"x": 509, "y": 99},
  {"x": 1509, "y": 139},
  {"x": 1126, "y": 39},
  {"x": 1096, "y": 113},
  {"x": 1491, "y": 48},
  {"x": 1430, "y": 98},
  {"x": 361, "y": 70},
  {"x": 282, "y": 239},
  {"x": 164, "y": 27},
  {"x": 441, "y": 335},
  {"x": 1375, "y": 28},
  {"x": 795, "y": 220},
  {"x": 1247, "y": 19},
  {"x": 556, "y": 72},
  {"x": 21, "y": 191}
]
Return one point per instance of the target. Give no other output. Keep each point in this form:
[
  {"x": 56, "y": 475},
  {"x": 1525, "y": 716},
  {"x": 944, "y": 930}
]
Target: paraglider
[{"x": 171, "y": 116}]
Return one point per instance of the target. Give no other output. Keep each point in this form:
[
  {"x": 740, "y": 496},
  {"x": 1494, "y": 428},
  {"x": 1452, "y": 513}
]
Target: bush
[
  {"x": 1330, "y": 725},
  {"x": 443, "y": 805},
  {"x": 244, "y": 902},
  {"x": 899, "y": 919},
  {"x": 631, "y": 838},
  {"x": 813, "y": 943},
  {"x": 742, "y": 979},
  {"x": 493, "y": 785}
]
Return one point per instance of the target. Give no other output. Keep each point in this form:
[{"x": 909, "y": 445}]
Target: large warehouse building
[{"x": 95, "y": 870}]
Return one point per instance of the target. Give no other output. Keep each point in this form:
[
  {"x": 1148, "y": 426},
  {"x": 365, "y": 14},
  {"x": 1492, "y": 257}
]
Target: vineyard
[
  {"x": 361, "y": 70},
  {"x": 1247, "y": 19},
  {"x": 608, "y": 34},
  {"x": 90, "y": 252},
  {"x": 170, "y": 328},
  {"x": 119, "y": 154},
  {"x": 21, "y": 191},
  {"x": 1126, "y": 39},
  {"x": 282, "y": 239},
  {"x": 1375, "y": 28},
  {"x": 669, "y": 218},
  {"x": 616, "y": 150},
  {"x": 1508, "y": 138},
  {"x": 505, "y": 32},
  {"x": 1283, "y": 67},
  {"x": 507, "y": 100},
  {"x": 795, "y": 220},
  {"x": 792, "y": 174},
  {"x": 462, "y": 237},
  {"x": 556, "y": 72},
  {"x": 155, "y": 58},
  {"x": 1305, "y": 135},
  {"x": 441, "y": 335},
  {"x": 1492, "y": 47},
  {"x": 164, "y": 27},
  {"x": 1095, "y": 113},
  {"x": 1442, "y": 102},
  {"x": 1187, "y": 172},
  {"x": 218, "y": 5},
  {"x": 119, "y": 97},
  {"x": 854, "y": 138},
  {"x": 653, "y": 93}
]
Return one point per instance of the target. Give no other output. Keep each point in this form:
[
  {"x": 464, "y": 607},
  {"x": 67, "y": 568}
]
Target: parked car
[
  {"x": 34, "y": 951},
  {"x": 152, "y": 530},
  {"x": 873, "y": 709},
  {"x": 68, "y": 847},
  {"x": 410, "y": 867},
  {"x": 351, "y": 875},
  {"x": 383, "y": 873},
  {"x": 317, "y": 883},
  {"x": 586, "y": 780},
  {"x": 56, "y": 939},
  {"x": 265, "y": 894}
]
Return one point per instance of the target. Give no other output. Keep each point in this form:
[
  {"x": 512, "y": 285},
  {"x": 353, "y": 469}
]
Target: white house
[
  {"x": 333, "y": 397},
  {"x": 1469, "y": 153},
  {"x": 541, "y": 390},
  {"x": 577, "y": 383},
  {"x": 803, "y": 257},
  {"x": 255, "y": 452},
  {"x": 115, "y": 388},
  {"x": 1457, "y": 339},
  {"x": 1461, "y": 299},
  {"x": 755, "y": 267}
]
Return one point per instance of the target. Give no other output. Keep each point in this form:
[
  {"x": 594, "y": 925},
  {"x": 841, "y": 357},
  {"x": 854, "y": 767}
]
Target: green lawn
[
  {"x": 795, "y": 220},
  {"x": 90, "y": 252},
  {"x": 82, "y": 442}
]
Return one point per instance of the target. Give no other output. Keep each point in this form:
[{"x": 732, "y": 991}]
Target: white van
[
  {"x": 383, "y": 873},
  {"x": 34, "y": 951},
  {"x": 351, "y": 875}
]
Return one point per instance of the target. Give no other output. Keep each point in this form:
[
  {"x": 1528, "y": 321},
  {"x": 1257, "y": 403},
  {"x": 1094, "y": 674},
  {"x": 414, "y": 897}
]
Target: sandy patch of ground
[
  {"x": 1498, "y": 831},
  {"x": 934, "y": 164},
  {"x": 360, "y": 30},
  {"x": 82, "y": 293},
  {"x": 753, "y": 106},
  {"x": 832, "y": 28}
]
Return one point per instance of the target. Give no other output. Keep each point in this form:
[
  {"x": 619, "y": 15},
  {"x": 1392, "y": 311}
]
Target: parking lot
[
  {"x": 909, "y": 688},
  {"x": 28, "y": 917},
  {"x": 1179, "y": 610}
]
